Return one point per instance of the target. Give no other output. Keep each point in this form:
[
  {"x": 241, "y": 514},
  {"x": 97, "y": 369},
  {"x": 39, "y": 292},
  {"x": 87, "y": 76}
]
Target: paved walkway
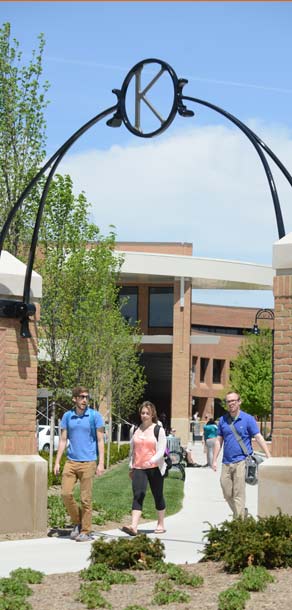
[{"x": 183, "y": 540}]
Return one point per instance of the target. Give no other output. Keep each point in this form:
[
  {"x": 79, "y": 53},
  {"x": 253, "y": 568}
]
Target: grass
[{"x": 114, "y": 491}]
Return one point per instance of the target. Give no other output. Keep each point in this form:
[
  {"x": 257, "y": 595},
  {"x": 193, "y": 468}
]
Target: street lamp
[{"x": 267, "y": 314}]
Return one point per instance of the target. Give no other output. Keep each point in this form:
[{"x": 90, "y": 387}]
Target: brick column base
[{"x": 282, "y": 429}]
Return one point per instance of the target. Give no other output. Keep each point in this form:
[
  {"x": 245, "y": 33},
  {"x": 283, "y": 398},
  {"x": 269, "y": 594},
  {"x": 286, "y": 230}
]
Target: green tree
[
  {"x": 22, "y": 132},
  {"x": 85, "y": 337},
  {"x": 251, "y": 373}
]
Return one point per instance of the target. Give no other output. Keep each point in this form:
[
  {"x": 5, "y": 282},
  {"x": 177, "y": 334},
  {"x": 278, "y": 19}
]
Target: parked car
[{"x": 44, "y": 438}]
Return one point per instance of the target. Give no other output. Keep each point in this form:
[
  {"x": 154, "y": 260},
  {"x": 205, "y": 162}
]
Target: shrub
[
  {"x": 32, "y": 577},
  {"x": 255, "y": 578},
  {"x": 139, "y": 553},
  {"x": 57, "y": 515},
  {"x": 242, "y": 542},
  {"x": 91, "y": 597},
  {"x": 178, "y": 574},
  {"x": 233, "y": 598},
  {"x": 100, "y": 571}
]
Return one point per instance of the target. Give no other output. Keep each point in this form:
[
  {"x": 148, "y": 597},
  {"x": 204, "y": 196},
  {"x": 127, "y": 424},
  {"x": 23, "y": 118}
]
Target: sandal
[
  {"x": 158, "y": 530},
  {"x": 129, "y": 530}
]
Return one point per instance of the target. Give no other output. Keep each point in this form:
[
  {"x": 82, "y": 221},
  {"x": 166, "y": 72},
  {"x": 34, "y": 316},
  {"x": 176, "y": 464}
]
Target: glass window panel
[
  {"x": 161, "y": 307},
  {"x": 128, "y": 296}
]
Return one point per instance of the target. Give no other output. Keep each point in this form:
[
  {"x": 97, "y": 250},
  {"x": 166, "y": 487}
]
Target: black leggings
[{"x": 139, "y": 485}]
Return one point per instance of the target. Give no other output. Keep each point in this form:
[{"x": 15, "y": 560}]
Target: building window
[
  {"x": 193, "y": 371},
  {"x": 220, "y": 330},
  {"x": 128, "y": 297},
  {"x": 203, "y": 369},
  {"x": 218, "y": 366},
  {"x": 161, "y": 307}
]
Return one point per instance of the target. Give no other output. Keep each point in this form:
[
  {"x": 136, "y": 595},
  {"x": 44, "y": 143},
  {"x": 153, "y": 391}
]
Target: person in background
[
  {"x": 147, "y": 465},
  {"x": 83, "y": 427},
  {"x": 210, "y": 431},
  {"x": 233, "y": 463}
]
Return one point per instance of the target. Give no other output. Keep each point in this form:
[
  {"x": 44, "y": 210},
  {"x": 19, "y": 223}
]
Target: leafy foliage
[
  {"x": 242, "y": 542},
  {"x": 91, "y": 597},
  {"x": 178, "y": 574},
  {"x": 22, "y": 128},
  {"x": 85, "y": 337},
  {"x": 57, "y": 515},
  {"x": 139, "y": 553},
  {"x": 255, "y": 578},
  {"x": 164, "y": 593},
  {"x": 100, "y": 571},
  {"x": 251, "y": 373},
  {"x": 233, "y": 598},
  {"x": 32, "y": 577}
]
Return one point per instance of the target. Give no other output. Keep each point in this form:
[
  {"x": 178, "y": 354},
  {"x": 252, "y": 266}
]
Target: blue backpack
[{"x": 91, "y": 422}]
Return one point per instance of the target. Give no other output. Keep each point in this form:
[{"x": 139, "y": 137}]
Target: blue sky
[{"x": 200, "y": 181}]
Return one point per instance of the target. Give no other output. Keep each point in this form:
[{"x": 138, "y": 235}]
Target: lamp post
[{"x": 267, "y": 314}]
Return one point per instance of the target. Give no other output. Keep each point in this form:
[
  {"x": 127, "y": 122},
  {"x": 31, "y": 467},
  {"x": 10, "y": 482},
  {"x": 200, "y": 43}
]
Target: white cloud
[{"x": 204, "y": 185}]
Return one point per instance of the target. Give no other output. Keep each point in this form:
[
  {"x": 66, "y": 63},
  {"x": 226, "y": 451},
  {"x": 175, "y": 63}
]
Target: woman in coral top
[{"x": 147, "y": 464}]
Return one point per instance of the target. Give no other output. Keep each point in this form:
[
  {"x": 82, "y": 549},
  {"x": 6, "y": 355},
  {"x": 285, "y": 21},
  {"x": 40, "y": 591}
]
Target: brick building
[{"x": 187, "y": 347}]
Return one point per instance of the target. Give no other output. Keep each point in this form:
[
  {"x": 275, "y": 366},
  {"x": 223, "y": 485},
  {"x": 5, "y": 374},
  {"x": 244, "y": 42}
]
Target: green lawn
[{"x": 112, "y": 494}]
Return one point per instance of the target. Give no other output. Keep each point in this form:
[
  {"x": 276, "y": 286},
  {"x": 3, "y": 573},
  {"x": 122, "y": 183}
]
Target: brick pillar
[
  {"x": 18, "y": 389},
  {"x": 180, "y": 404},
  {"x": 282, "y": 429},
  {"x": 23, "y": 473}
]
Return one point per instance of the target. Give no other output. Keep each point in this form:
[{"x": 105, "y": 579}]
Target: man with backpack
[{"x": 83, "y": 427}]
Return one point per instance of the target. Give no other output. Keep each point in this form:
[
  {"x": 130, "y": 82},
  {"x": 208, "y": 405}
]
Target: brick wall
[
  {"x": 18, "y": 389},
  {"x": 282, "y": 429}
]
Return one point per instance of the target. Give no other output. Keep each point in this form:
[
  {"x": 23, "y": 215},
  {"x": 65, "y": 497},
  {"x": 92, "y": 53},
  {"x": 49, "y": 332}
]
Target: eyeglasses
[
  {"x": 83, "y": 396},
  {"x": 229, "y": 402}
]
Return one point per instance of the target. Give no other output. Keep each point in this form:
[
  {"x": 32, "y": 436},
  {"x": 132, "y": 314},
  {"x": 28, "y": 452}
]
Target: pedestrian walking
[
  {"x": 232, "y": 478},
  {"x": 147, "y": 447},
  {"x": 83, "y": 427},
  {"x": 210, "y": 431}
]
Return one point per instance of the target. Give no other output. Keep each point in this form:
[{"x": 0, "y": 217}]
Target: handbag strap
[{"x": 238, "y": 438}]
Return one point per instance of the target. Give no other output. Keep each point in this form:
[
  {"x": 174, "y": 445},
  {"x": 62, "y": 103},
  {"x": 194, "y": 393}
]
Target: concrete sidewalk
[{"x": 203, "y": 503}]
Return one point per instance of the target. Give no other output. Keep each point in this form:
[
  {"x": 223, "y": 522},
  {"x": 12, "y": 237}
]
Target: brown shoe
[{"x": 129, "y": 530}]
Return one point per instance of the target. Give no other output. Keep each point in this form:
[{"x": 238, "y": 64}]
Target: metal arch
[
  {"x": 24, "y": 309},
  {"x": 140, "y": 95},
  {"x": 256, "y": 143},
  {"x": 264, "y": 314}
]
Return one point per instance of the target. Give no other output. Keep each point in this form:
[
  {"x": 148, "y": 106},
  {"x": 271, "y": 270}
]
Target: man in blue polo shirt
[
  {"x": 233, "y": 462},
  {"x": 83, "y": 427}
]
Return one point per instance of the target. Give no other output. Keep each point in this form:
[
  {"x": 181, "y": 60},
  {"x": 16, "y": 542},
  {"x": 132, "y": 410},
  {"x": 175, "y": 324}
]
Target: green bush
[
  {"x": 178, "y": 574},
  {"x": 32, "y": 577},
  {"x": 255, "y": 578},
  {"x": 100, "y": 571},
  {"x": 91, "y": 597},
  {"x": 264, "y": 542},
  {"x": 233, "y": 598},
  {"x": 139, "y": 553},
  {"x": 57, "y": 515}
]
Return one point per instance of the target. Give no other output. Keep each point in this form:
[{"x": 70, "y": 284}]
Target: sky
[{"x": 201, "y": 181}]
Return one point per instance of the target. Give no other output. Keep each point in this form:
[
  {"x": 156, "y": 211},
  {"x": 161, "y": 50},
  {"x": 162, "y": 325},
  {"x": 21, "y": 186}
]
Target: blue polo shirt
[
  {"x": 246, "y": 427},
  {"x": 82, "y": 446}
]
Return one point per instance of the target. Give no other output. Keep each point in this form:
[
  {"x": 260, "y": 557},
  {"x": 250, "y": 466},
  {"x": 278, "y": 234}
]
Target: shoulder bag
[{"x": 251, "y": 461}]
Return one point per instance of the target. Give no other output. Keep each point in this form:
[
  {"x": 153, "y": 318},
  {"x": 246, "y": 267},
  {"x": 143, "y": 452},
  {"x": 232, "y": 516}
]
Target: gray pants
[{"x": 210, "y": 443}]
